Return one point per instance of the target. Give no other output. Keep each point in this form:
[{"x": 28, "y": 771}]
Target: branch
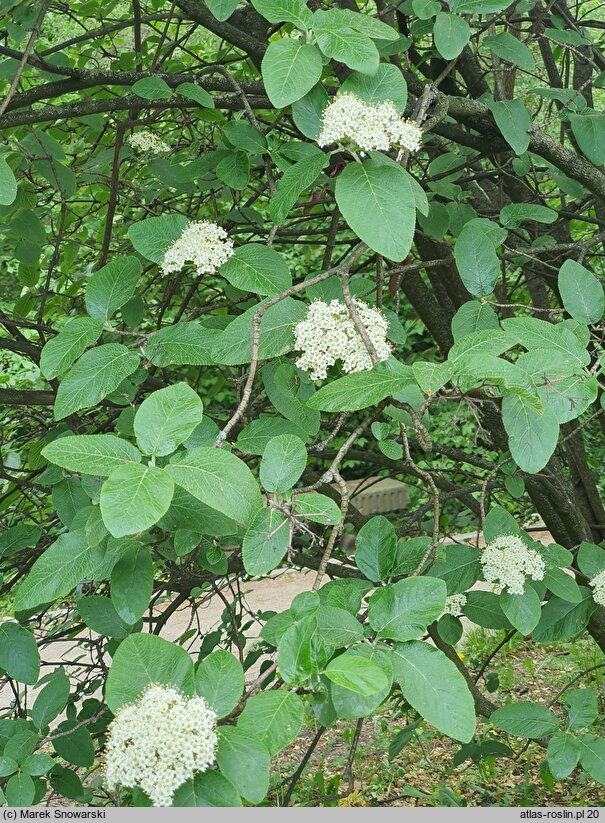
[{"x": 16, "y": 397}]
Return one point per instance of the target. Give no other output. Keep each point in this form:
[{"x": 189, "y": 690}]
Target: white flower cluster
[
  {"x": 205, "y": 244},
  {"x": 508, "y": 561},
  {"x": 328, "y": 334},
  {"x": 598, "y": 586},
  {"x": 148, "y": 141},
  {"x": 160, "y": 742},
  {"x": 454, "y": 604},
  {"x": 369, "y": 126}
]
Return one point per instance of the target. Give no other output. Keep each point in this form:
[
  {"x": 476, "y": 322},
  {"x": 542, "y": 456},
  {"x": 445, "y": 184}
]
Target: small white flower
[
  {"x": 508, "y": 561},
  {"x": 369, "y": 126},
  {"x": 328, "y": 334},
  {"x": 454, "y": 604},
  {"x": 160, "y": 742},
  {"x": 204, "y": 244},
  {"x": 598, "y": 586},
  {"x": 148, "y": 141}
]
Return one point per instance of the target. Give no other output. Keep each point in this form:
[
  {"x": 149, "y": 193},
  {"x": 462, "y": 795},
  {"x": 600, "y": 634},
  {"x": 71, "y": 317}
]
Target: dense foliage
[{"x": 251, "y": 251}]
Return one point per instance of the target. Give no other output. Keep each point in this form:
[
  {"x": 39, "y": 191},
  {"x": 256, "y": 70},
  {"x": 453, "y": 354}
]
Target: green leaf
[
  {"x": 356, "y": 674},
  {"x": 234, "y": 170},
  {"x": 51, "y": 700},
  {"x": 167, "y": 418},
  {"x": 479, "y": 6},
  {"x": 589, "y": 131},
  {"x": 362, "y": 389},
  {"x": 514, "y": 214},
  {"x": 288, "y": 389},
  {"x": 301, "y": 651},
  {"x": 220, "y": 480},
  {"x": 290, "y": 69},
  {"x": 100, "y": 615},
  {"x": 523, "y": 610},
  {"x": 532, "y": 437},
  {"x": 287, "y": 11},
  {"x": 317, "y": 508},
  {"x": 387, "y": 83},
  {"x": 509, "y": 48},
  {"x": 19, "y": 537},
  {"x": 266, "y": 541},
  {"x": 194, "y": 92},
  {"x": 152, "y": 236},
  {"x": 19, "y": 655},
  {"x": 581, "y": 292},
  {"x": 376, "y": 199},
  {"x": 459, "y": 568},
  {"x": 254, "y": 437},
  {"x": 132, "y": 583},
  {"x": 377, "y": 553},
  {"x": 336, "y": 627},
  {"x": 8, "y": 184},
  {"x": 57, "y": 571},
  {"x": 592, "y": 757},
  {"x": 68, "y": 498},
  {"x": 152, "y": 88},
  {"x": 134, "y": 497},
  {"x": 208, "y": 788},
  {"x": 73, "y": 339},
  {"x": 514, "y": 121},
  {"x": 483, "y": 608},
  {"x": 234, "y": 345},
  {"x": 591, "y": 559},
  {"x": 403, "y": 610},
  {"x": 244, "y": 760},
  {"x": 351, "y": 704},
  {"x": 37, "y": 764},
  {"x": 258, "y": 269},
  {"x": 450, "y": 629},
  {"x": 582, "y": 708},
  {"x": 183, "y": 344},
  {"x": 112, "y": 286},
  {"x": 475, "y": 255},
  {"x": 276, "y": 717},
  {"x": 539, "y": 334},
  {"x": 142, "y": 660},
  {"x": 94, "y": 454},
  {"x": 284, "y": 460},
  {"x": 563, "y": 585},
  {"x": 296, "y": 179},
  {"x": 365, "y": 23},
  {"x": 222, "y": 9},
  {"x": 525, "y": 719},
  {"x": 96, "y": 374},
  {"x": 425, "y": 9},
  {"x": 563, "y": 754},
  {"x": 354, "y": 49},
  {"x": 20, "y": 790},
  {"x": 219, "y": 678},
  {"x": 451, "y": 34},
  {"x": 435, "y": 688},
  {"x": 561, "y": 619},
  {"x": 307, "y": 112}
]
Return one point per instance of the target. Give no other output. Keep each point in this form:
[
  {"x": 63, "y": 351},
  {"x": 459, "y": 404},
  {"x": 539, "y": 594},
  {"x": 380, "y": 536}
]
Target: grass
[{"x": 424, "y": 772}]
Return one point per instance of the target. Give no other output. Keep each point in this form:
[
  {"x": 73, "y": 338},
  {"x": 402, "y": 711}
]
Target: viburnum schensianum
[
  {"x": 202, "y": 243},
  {"x": 507, "y": 561},
  {"x": 148, "y": 141},
  {"x": 160, "y": 742},
  {"x": 368, "y": 126},
  {"x": 454, "y": 604},
  {"x": 327, "y": 334},
  {"x": 598, "y": 588}
]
